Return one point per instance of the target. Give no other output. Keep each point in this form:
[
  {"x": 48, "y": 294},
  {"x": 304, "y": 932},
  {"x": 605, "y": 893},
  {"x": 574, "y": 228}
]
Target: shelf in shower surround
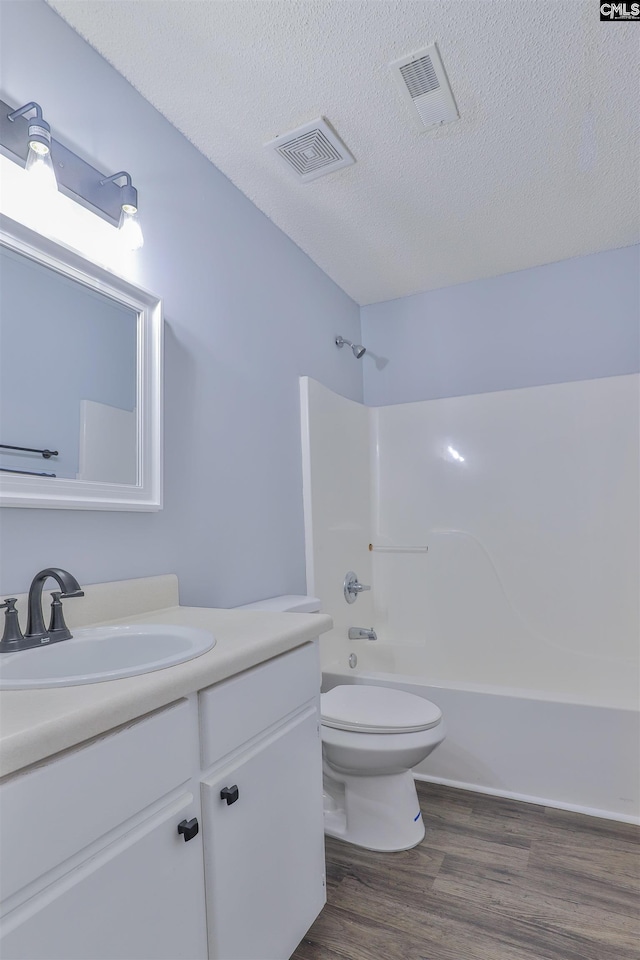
[{"x": 398, "y": 549}]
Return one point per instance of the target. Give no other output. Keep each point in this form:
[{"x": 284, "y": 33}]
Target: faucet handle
[
  {"x": 58, "y": 630},
  {"x": 57, "y": 619},
  {"x": 12, "y": 631}
]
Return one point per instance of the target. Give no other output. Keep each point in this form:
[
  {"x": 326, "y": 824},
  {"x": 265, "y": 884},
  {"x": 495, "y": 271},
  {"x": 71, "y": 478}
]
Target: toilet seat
[{"x": 368, "y": 709}]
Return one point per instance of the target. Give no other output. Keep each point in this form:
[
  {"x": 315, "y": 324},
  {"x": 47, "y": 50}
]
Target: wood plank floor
[{"x": 492, "y": 880}]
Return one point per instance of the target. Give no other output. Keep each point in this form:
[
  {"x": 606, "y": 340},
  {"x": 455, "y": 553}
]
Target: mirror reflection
[{"x": 68, "y": 376}]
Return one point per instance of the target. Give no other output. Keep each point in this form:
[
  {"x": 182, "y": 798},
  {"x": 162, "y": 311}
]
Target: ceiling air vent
[
  {"x": 425, "y": 88},
  {"x": 312, "y": 151}
]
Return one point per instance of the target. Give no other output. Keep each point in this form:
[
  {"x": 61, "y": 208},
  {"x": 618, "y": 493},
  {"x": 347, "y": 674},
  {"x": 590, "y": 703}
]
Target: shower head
[{"x": 357, "y": 348}]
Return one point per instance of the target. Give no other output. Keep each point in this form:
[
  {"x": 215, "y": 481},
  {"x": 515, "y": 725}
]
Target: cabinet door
[
  {"x": 140, "y": 898},
  {"x": 264, "y": 853}
]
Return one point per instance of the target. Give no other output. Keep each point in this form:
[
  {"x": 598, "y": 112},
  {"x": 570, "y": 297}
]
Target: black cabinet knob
[
  {"x": 230, "y": 794},
  {"x": 188, "y": 829}
]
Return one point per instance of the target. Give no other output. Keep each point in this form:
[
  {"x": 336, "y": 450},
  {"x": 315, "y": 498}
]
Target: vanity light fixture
[
  {"x": 28, "y": 142},
  {"x": 39, "y": 164},
  {"x": 129, "y": 224}
]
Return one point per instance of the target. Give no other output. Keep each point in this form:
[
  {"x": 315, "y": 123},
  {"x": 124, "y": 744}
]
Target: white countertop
[{"x": 35, "y": 724}]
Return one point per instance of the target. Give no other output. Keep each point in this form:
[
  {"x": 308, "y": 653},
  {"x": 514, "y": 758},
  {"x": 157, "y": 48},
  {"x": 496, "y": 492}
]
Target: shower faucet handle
[{"x": 352, "y": 587}]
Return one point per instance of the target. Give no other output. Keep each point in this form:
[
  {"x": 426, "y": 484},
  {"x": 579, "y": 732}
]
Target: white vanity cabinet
[
  {"x": 93, "y": 866},
  {"x": 262, "y": 808}
]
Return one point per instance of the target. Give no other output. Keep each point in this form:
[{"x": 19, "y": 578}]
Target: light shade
[
  {"x": 39, "y": 164},
  {"x": 129, "y": 225},
  {"x": 130, "y": 229}
]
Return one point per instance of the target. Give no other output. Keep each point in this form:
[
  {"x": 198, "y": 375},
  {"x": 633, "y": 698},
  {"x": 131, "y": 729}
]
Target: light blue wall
[
  {"x": 60, "y": 343},
  {"x": 246, "y": 313},
  {"x": 573, "y": 320}
]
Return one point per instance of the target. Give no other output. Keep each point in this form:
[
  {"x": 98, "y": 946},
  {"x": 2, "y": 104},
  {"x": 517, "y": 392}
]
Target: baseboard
[{"x": 523, "y": 798}]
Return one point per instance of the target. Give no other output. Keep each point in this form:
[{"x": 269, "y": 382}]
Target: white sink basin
[{"x": 102, "y": 653}]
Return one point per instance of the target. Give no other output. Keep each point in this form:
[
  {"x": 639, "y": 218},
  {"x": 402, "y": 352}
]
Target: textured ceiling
[{"x": 541, "y": 166}]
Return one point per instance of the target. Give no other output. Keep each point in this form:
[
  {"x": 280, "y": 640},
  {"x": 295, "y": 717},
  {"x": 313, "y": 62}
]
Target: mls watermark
[{"x": 620, "y": 11}]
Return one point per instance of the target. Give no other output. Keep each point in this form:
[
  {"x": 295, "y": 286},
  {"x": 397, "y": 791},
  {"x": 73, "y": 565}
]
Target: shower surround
[{"x": 504, "y": 572}]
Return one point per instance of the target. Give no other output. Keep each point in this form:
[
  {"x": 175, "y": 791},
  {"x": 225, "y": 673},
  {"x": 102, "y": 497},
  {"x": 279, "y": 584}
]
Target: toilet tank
[{"x": 290, "y": 603}]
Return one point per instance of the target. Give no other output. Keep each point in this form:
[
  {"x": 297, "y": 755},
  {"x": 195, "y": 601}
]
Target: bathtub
[{"x": 574, "y": 745}]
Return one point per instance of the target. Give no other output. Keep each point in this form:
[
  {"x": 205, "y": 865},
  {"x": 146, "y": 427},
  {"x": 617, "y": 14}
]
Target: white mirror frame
[{"x": 60, "y": 493}]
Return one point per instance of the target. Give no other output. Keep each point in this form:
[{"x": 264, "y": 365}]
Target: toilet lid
[{"x": 377, "y": 710}]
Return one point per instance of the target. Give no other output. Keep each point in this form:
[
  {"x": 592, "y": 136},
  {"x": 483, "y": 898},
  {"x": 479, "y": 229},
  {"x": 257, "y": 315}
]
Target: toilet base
[{"x": 377, "y": 813}]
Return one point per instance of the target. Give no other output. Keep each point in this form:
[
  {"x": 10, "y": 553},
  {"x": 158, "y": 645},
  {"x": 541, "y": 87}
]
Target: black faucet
[{"x": 36, "y": 634}]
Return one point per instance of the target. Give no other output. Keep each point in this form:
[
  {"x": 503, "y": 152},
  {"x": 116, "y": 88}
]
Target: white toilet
[{"x": 371, "y": 738}]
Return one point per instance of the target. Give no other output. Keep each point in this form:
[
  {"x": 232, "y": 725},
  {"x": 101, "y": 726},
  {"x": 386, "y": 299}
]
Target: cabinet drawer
[
  {"x": 235, "y": 710},
  {"x": 52, "y": 811}
]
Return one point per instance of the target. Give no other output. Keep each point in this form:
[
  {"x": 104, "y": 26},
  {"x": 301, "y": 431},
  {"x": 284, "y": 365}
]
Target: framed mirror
[{"x": 80, "y": 381}]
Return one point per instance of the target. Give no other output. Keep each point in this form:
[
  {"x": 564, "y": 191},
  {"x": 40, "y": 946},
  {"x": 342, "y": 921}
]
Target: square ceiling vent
[
  {"x": 425, "y": 89},
  {"x": 312, "y": 150}
]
